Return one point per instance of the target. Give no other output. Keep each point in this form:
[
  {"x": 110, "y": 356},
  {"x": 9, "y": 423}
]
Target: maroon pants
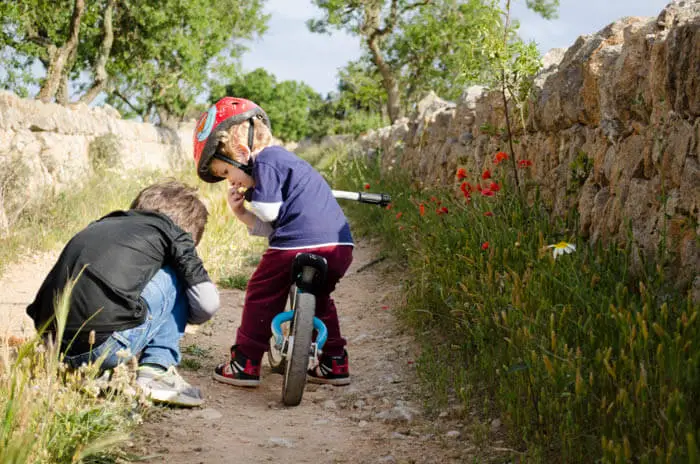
[{"x": 268, "y": 290}]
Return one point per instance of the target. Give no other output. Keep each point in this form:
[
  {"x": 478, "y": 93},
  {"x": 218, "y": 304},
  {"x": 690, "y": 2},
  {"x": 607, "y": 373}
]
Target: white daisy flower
[{"x": 562, "y": 248}]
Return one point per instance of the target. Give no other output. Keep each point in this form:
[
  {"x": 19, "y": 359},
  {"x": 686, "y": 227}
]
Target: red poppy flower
[
  {"x": 495, "y": 187},
  {"x": 488, "y": 214},
  {"x": 461, "y": 173},
  {"x": 389, "y": 206},
  {"x": 398, "y": 215},
  {"x": 486, "y": 174},
  {"x": 442, "y": 210},
  {"x": 500, "y": 156},
  {"x": 421, "y": 209},
  {"x": 524, "y": 163},
  {"x": 366, "y": 186},
  {"x": 487, "y": 192},
  {"x": 385, "y": 307},
  {"x": 465, "y": 187},
  {"x": 434, "y": 199},
  {"x": 485, "y": 246}
]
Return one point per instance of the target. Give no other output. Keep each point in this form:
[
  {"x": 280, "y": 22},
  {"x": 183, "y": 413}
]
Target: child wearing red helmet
[{"x": 292, "y": 205}]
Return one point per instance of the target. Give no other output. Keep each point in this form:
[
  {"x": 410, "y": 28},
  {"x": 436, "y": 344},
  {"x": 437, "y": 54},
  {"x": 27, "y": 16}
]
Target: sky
[{"x": 290, "y": 52}]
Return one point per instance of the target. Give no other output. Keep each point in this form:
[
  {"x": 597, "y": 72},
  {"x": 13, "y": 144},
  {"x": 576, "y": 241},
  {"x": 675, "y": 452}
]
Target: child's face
[{"x": 235, "y": 177}]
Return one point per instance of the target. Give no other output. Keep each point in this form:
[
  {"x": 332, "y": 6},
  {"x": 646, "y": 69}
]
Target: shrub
[{"x": 103, "y": 152}]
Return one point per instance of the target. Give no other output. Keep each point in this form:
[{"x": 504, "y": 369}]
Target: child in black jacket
[{"x": 138, "y": 282}]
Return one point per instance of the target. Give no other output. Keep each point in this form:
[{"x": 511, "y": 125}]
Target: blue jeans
[{"x": 157, "y": 338}]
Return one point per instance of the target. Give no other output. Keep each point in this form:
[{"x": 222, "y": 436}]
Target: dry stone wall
[
  {"x": 612, "y": 130},
  {"x": 46, "y": 148}
]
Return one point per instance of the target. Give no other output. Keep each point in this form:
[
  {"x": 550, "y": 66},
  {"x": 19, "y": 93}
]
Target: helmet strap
[
  {"x": 246, "y": 168},
  {"x": 251, "y": 135}
]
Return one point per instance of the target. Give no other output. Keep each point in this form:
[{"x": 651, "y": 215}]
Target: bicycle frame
[
  {"x": 298, "y": 349},
  {"x": 287, "y": 316}
]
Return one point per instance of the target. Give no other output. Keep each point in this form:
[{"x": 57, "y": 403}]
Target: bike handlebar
[{"x": 381, "y": 199}]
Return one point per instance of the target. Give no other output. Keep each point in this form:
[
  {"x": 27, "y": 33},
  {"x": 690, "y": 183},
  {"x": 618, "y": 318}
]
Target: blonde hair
[
  {"x": 179, "y": 202},
  {"x": 238, "y": 135}
]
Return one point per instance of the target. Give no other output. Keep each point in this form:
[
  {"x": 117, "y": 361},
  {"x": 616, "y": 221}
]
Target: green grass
[
  {"x": 324, "y": 158},
  {"x": 50, "y": 223},
  {"x": 192, "y": 357},
  {"x": 237, "y": 281},
  {"x": 55, "y": 415},
  {"x": 226, "y": 248},
  {"x": 583, "y": 360}
]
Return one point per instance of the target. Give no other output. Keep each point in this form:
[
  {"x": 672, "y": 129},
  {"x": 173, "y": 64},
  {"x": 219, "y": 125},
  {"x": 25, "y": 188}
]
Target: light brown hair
[
  {"x": 179, "y": 202},
  {"x": 238, "y": 134}
]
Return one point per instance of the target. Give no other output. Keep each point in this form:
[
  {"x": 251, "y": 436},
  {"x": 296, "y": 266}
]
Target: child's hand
[{"x": 235, "y": 201}]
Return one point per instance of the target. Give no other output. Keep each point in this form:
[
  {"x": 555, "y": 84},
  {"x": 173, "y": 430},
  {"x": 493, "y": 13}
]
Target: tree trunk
[
  {"x": 373, "y": 33},
  {"x": 100, "y": 80},
  {"x": 393, "y": 104},
  {"x": 63, "y": 91},
  {"x": 60, "y": 59}
]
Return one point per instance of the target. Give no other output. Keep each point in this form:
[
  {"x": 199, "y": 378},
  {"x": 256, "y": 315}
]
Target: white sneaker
[{"x": 166, "y": 386}]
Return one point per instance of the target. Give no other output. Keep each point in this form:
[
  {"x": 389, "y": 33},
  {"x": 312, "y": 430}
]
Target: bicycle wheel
[
  {"x": 275, "y": 355},
  {"x": 298, "y": 350}
]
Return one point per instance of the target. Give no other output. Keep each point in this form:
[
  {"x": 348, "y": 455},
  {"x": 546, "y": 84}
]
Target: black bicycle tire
[{"x": 298, "y": 355}]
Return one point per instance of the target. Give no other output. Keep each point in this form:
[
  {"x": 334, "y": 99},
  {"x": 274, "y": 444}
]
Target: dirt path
[
  {"x": 378, "y": 418},
  {"x": 18, "y": 286}
]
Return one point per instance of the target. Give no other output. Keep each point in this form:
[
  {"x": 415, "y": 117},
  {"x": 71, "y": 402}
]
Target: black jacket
[{"x": 117, "y": 255}]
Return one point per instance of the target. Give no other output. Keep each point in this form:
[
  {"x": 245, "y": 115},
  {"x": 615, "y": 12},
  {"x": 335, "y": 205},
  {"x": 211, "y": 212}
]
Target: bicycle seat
[{"x": 309, "y": 272}]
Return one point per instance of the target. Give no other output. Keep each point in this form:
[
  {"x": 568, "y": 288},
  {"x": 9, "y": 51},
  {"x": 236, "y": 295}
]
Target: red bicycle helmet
[{"x": 227, "y": 112}]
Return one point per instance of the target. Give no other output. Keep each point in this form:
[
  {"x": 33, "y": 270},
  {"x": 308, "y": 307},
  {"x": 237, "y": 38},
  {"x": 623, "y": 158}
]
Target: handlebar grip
[{"x": 381, "y": 199}]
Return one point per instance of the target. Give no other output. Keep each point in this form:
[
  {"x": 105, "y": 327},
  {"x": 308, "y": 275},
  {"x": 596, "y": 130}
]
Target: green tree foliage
[
  {"x": 357, "y": 106},
  {"x": 359, "y": 87},
  {"x": 287, "y": 103},
  {"x": 296, "y": 111},
  {"x": 546, "y": 8},
  {"x": 48, "y": 33},
  {"x": 408, "y": 41},
  {"x": 444, "y": 47},
  {"x": 151, "y": 57},
  {"x": 172, "y": 50},
  {"x": 416, "y": 45}
]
